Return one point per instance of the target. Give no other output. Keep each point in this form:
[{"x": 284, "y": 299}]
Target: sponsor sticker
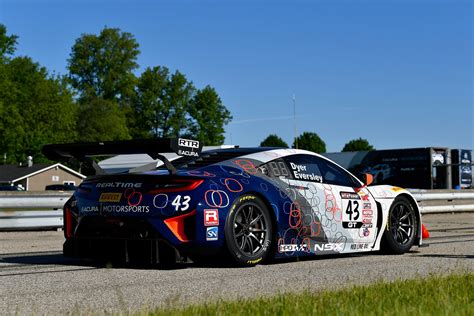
[
  {"x": 368, "y": 213},
  {"x": 110, "y": 197},
  {"x": 350, "y": 195},
  {"x": 211, "y": 233},
  {"x": 396, "y": 189},
  {"x": 211, "y": 217},
  {"x": 188, "y": 147},
  {"x": 359, "y": 246},
  {"x": 293, "y": 248},
  {"x": 188, "y": 143},
  {"x": 89, "y": 209},
  {"x": 338, "y": 247},
  {"x": 104, "y": 208},
  {"x": 366, "y": 232}
]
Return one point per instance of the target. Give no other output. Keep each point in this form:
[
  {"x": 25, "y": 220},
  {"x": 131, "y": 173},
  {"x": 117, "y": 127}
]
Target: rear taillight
[
  {"x": 68, "y": 222},
  {"x": 176, "y": 185}
]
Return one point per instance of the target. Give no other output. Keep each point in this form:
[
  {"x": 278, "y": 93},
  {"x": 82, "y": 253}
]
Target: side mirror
[{"x": 367, "y": 178}]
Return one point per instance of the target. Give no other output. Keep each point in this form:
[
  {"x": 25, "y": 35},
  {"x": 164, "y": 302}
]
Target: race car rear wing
[{"x": 153, "y": 147}]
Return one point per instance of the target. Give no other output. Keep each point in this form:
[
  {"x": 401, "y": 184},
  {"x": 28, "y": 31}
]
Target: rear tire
[
  {"x": 402, "y": 223},
  {"x": 249, "y": 231}
]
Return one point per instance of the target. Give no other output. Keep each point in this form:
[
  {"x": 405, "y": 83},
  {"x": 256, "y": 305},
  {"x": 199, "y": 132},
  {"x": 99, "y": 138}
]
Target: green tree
[
  {"x": 12, "y": 132},
  {"x": 157, "y": 104},
  {"x": 162, "y": 104},
  {"x": 102, "y": 66},
  {"x": 177, "y": 104},
  {"x": 358, "y": 144},
  {"x": 148, "y": 109},
  {"x": 101, "y": 120},
  {"x": 273, "y": 140},
  {"x": 36, "y": 109},
  {"x": 7, "y": 43},
  {"x": 310, "y": 141},
  {"x": 209, "y": 117}
]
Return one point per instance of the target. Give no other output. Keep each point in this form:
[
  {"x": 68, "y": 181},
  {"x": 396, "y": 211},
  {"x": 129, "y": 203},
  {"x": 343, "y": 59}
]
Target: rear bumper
[{"x": 122, "y": 250}]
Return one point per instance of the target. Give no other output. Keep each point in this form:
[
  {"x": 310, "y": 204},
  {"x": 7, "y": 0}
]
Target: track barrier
[
  {"x": 43, "y": 210},
  {"x": 32, "y": 210},
  {"x": 444, "y": 201}
]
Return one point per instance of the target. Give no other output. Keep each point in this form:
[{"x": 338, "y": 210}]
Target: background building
[{"x": 36, "y": 177}]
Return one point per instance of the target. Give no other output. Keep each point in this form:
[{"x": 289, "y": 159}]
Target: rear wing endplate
[{"x": 153, "y": 147}]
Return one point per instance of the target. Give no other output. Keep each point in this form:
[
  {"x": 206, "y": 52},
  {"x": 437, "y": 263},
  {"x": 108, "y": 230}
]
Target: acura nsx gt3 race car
[{"x": 245, "y": 204}]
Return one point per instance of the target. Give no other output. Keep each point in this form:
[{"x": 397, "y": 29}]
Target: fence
[{"x": 43, "y": 210}]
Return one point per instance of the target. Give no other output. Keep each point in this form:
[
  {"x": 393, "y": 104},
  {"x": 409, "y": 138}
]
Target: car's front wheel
[
  {"x": 249, "y": 231},
  {"x": 402, "y": 224}
]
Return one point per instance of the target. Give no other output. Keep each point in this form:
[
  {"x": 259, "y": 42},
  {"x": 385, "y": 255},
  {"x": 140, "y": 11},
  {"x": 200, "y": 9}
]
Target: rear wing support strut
[{"x": 167, "y": 163}]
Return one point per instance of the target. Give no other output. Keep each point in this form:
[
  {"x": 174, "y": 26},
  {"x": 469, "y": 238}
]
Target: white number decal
[
  {"x": 186, "y": 200},
  {"x": 181, "y": 206}
]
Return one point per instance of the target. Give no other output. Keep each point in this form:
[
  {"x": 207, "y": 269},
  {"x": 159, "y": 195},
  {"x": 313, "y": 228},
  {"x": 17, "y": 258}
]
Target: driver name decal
[{"x": 300, "y": 173}]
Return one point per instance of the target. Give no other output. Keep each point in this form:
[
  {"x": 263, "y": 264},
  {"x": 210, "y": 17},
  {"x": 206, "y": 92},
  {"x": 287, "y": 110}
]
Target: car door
[
  {"x": 355, "y": 209},
  {"x": 301, "y": 223},
  {"x": 341, "y": 211}
]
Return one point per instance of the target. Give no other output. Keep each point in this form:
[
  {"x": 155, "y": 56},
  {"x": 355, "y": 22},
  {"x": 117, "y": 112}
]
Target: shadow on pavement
[
  {"x": 30, "y": 260},
  {"x": 56, "y": 258},
  {"x": 39, "y": 258}
]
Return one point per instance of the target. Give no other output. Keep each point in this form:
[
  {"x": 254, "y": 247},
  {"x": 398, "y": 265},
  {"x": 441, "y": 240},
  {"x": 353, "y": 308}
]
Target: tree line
[
  {"x": 312, "y": 142},
  {"x": 100, "y": 98}
]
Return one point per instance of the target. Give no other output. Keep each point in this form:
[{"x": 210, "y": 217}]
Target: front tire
[
  {"x": 402, "y": 223},
  {"x": 249, "y": 231}
]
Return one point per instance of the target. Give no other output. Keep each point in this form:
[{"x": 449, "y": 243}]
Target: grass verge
[{"x": 434, "y": 295}]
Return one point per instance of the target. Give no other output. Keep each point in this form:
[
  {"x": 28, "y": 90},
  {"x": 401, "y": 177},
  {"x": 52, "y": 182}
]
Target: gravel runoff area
[{"x": 35, "y": 278}]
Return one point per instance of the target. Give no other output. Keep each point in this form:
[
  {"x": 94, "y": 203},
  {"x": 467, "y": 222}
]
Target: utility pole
[{"x": 294, "y": 120}]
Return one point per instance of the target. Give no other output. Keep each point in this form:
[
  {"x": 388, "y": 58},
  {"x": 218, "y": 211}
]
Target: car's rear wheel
[
  {"x": 402, "y": 224},
  {"x": 249, "y": 231}
]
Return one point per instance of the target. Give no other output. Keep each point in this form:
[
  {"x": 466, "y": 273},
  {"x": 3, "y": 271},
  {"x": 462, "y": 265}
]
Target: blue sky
[{"x": 397, "y": 72}]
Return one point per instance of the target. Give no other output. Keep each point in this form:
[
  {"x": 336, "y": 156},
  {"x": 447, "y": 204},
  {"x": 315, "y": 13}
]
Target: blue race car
[{"x": 244, "y": 204}]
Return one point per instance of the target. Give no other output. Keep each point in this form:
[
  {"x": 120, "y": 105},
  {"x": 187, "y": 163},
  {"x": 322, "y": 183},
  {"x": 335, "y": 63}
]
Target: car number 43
[
  {"x": 351, "y": 216},
  {"x": 353, "y": 210},
  {"x": 181, "y": 203}
]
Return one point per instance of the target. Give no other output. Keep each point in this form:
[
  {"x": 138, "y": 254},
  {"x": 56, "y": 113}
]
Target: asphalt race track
[{"x": 35, "y": 278}]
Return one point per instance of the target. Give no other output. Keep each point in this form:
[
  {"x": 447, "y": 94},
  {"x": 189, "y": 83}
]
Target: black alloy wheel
[
  {"x": 401, "y": 228},
  {"x": 248, "y": 231}
]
